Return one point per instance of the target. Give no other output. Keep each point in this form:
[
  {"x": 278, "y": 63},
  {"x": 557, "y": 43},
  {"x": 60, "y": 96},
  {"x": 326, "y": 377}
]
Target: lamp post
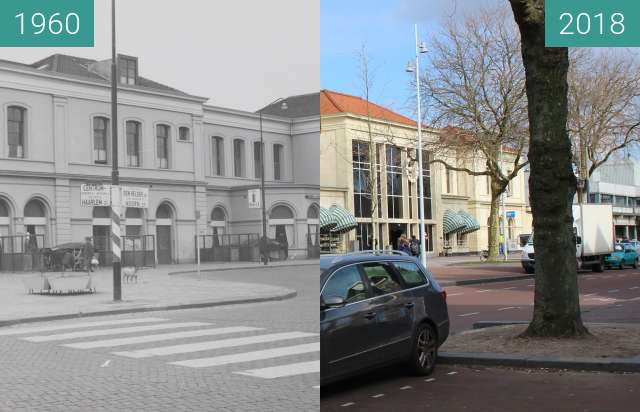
[
  {"x": 263, "y": 241},
  {"x": 421, "y": 48},
  {"x": 115, "y": 174}
]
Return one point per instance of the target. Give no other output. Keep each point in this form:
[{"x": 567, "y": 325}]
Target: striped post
[{"x": 116, "y": 243}]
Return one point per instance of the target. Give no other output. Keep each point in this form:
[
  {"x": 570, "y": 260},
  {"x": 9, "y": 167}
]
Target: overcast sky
[{"x": 241, "y": 54}]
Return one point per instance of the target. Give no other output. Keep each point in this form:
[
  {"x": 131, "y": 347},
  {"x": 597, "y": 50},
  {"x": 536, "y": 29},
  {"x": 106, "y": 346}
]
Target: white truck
[{"x": 593, "y": 226}]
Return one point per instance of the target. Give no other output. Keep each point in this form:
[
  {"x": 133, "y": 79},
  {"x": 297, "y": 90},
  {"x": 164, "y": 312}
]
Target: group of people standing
[{"x": 409, "y": 246}]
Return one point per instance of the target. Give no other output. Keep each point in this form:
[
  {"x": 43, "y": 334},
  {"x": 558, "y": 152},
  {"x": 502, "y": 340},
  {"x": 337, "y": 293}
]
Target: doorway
[
  {"x": 164, "y": 244},
  {"x": 395, "y": 231}
]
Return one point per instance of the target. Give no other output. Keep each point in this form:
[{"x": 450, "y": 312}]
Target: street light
[
  {"x": 421, "y": 48},
  {"x": 263, "y": 241}
]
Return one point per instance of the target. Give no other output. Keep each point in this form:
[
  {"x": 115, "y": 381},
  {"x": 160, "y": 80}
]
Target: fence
[
  {"x": 21, "y": 253},
  {"x": 229, "y": 248},
  {"x": 137, "y": 251}
]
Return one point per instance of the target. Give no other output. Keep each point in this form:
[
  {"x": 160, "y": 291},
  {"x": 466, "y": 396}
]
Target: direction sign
[
  {"x": 511, "y": 214},
  {"x": 95, "y": 194},
  {"x": 254, "y": 199},
  {"x": 135, "y": 197}
]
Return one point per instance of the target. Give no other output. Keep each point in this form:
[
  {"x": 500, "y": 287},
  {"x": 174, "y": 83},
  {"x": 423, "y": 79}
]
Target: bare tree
[
  {"x": 604, "y": 111},
  {"x": 475, "y": 80},
  {"x": 552, "y": 183}
]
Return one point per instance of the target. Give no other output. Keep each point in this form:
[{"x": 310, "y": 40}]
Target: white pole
[
  {"x": 423, "y": 248},
  {"x": 504, "y": 214}
]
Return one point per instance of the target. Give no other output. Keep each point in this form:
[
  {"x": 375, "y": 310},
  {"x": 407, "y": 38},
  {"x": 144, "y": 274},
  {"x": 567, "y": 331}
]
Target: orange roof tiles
[{"x": 334, "y": 103}]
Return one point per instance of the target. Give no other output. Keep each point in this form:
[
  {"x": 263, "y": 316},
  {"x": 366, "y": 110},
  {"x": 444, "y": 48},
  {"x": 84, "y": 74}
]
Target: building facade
[{"x": 198, "y": 161}]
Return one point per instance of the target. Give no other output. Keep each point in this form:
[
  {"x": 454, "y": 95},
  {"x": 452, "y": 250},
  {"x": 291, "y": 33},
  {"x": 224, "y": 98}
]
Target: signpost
[
  {"x": 95, "y": 194},
  {"x": 135, "y": 197},
  {"x": 254, "y": 198}
]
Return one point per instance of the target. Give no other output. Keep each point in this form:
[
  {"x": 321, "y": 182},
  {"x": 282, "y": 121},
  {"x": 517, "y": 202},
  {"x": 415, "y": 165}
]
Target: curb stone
[
  {"x": 195, "y": 305},
  {"x": 497, "y": 279},
  {"x": 222, "y": 269},
  {"x": 588, "y": 364}
]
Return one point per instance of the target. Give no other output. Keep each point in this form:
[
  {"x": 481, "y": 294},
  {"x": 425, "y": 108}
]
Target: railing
[
  {"x": 137, "y": 251},
  {"x": 21, "y": 253},
  {"x": 229, "y": 248}
]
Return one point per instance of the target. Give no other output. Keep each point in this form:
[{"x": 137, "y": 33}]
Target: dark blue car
[{"x": 378, "y": 309}]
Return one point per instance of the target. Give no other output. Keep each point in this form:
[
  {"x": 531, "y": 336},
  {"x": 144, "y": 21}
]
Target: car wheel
[
  {"x": 635, "y": 264},
  {"x": 621, "y": 265},
  {"x": 529, "y": 269},
  {"x": 424, "y": 351}
]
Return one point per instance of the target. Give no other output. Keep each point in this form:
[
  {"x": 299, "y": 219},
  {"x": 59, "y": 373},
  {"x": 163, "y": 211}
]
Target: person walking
[
  {"x": 414, "y": 245},
  {"x": 87, "y": 254},
  {"x": 403, "y": 245}
]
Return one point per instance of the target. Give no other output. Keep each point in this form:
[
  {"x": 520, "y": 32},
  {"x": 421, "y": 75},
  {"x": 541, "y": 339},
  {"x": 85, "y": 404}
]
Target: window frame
[
  {"x": 217, "y": 159},
  {"x": 367, "y": 289},
  {"x": 179, "y": 137},
  {"x": 257, "y": 171},
  {"x": 242, "y": 162},
  {"x": 425, "y": 278},
  {"x": 278, "y": 149},
  {"x": 138, "y": 153},
  {"x": 107, "y": 139},
  {"x": 167, "y": 144},
  {"x": 125, "y": 64},
  {"x": 24, "y": 110}
]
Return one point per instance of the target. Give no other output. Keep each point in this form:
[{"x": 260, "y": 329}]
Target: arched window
[
  {"x": 313, "y": 212},
  {"x": 34, "y": 208},
  {"x": 238, "y": 158},
  {"x": 218, "y": 215},
  {"x": 100, "y": 140},
  {"x": 165, "y": 233},
  {"x": 35, "y": 221},
  {"x": 217, "y": 156},
  {"x": 281, "y": 212},
  {"x": 278, "y": 159},
  {"x": 133, "y": 143},
  {"x": 164, "y": 212},
  {"x": 162, "y": 144},
  {"x": 16, "y": 131},
  {"x": 5, "y": 221},
  {"x": 101, "y": 212}
]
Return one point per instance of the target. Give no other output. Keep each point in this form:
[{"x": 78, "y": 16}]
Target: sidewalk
[{"x": 162, "y": 288}]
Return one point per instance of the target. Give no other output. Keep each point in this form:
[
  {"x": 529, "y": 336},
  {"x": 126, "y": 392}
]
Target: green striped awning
[
  {"x": 471, "y": 224},
  {"x": 326, "y": 223},
  {"x": 343, "y": 219},
  {"x": 452, "y": 222}
]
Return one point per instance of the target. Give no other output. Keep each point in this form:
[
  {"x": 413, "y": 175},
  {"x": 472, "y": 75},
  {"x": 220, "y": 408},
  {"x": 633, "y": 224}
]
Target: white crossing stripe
[
  {"x": 39, "y": 329},
  {"x": 250, "y": 356},
  {"x": 282, "y": 371},
  {"x": 116, "y": 331},
  {"x": 216, "y": 344},
  {"x": 159, "y": 337}
]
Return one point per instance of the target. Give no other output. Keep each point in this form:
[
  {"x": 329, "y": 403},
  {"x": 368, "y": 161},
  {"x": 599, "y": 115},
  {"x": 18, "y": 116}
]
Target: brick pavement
[{"x": 156, "y": 288}]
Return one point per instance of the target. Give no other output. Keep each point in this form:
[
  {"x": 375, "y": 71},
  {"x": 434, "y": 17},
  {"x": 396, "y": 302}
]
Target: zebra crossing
[{"x": 149, "y": 332}]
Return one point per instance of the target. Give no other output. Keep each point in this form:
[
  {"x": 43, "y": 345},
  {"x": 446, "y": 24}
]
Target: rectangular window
[
  {"x": 381, "y": 278},
  {"x": 128, "y": 70},
  {"x": 184, "y": 134},
  {"x": 238, "y": 158},
  {"x": 361, "y": 179},
  {"x": 133, "y": 144},
  {"x": 100, "y": 136},
  {"x": 426, "y": 184},
  {"x": 606, "y": 199},
  {"x": 162, "y": 142},
  {"x": 448, "y": 174},
  {"x": 217, "y": 155},
  {"x": 16, "y": 117},
  {"x": 277, "y": 161},
  {"x": 258, "y": 155},
  {"x": 410, "y": 274},
  {"x": 394, "y": 183}
]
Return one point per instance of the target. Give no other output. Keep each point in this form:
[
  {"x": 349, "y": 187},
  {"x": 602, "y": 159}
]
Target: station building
[{"x": 198, "y": 161}]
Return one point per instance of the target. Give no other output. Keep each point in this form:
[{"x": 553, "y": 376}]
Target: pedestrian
[
  {"x": 501, "y": 245},
  {"x": 403, "y": 245},
  {"x": 87, "y": 254},
  {"x": 414, "y": 245}
]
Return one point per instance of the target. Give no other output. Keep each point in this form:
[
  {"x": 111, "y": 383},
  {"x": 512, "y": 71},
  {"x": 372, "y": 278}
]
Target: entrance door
[
  {"x": 164, "y": 244},
  {"x": 395, "y": 231}
]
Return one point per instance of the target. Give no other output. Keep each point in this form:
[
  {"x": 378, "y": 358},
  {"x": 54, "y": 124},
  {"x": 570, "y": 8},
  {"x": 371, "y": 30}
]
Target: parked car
[
  {"x": 623, "y": 254},
  {"x": 378, "y": 309}
]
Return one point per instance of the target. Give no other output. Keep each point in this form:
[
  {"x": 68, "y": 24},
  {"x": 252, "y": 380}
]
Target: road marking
[
  {"x": 483, "y": 290},
  {"x": 404, "y": 388},
  {"x": 104, "y": 365},
  {"x": 380, "y": 395},
  {"x": 210, "y": 345},
  {"x": 606, "y": 277},
  {"x": 159, "y": 337},
  {"x": 614, "y": 291},
  {"x": 344, "y": 405},
  {"x": 282, "y": 371},
  {"x": 24, "y": 331},
  {"x": 454, "y": 294},
  {"x": 116, "y": 331},
  {"x": 507, "y": 308},
  {"x": 634, "y": 287},
  {"x": 509, "y": 288},
  {"x": 590, "y": 294},
  {"x": 530, "y": 285},
  {"x": 249, "y": 356},
  {"x": 618, "y": 306},
  {"x": 430, "y": 380},
  {"x": 452, "y": 373},
  {"x": 469, "y": 314}
]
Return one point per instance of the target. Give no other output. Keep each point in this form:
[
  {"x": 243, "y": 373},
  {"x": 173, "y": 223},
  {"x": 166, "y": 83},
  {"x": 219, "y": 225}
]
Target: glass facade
[{"x": 394, "y": 182}]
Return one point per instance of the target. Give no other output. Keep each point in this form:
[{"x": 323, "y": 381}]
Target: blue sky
[{"x": 386, "y": 28}]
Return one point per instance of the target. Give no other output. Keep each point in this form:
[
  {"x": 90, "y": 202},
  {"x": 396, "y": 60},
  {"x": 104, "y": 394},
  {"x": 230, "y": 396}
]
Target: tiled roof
[
  {"x": 303, "y": 105},
  {"x": 333, "y": 103},
  {"x": 80, "y": 67}
]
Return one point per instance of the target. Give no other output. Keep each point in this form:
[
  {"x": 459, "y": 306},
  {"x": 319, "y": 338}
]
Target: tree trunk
[
  {"x": 494, "y": 221},
  {"x": 552, "y": 182}
]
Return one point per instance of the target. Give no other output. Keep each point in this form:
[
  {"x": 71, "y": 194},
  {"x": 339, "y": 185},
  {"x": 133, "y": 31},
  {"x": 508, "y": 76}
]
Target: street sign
[
  {"x": 95, "y": 194},
  {"x": 135, "y": 197},
  {"x": 511, "y": 214},
  {"x": 254, "y": 199}
]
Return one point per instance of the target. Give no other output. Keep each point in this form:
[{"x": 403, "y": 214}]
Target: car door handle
[{"x": 370, "y": 315}]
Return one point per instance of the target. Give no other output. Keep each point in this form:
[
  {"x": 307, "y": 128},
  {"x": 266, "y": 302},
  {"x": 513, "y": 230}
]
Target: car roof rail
[{"x": 378, "y": 252}]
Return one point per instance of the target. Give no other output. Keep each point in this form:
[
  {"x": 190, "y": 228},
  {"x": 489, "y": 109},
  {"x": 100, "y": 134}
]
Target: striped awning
[
  {"x": 471, "y": 224},
  {"x": 326, "y": 223},
  {"x": 336, "y": 219},
  {"x": 452, "y": 222}
]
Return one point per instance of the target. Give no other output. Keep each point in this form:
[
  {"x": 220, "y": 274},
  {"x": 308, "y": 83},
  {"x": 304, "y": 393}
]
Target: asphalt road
[
  {"x": 268, "y": 359},
  {"x": 612, "y": 296}
]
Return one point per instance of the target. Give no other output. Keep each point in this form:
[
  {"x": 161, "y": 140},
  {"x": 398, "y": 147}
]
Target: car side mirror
[{"x": 332, "y": 302}]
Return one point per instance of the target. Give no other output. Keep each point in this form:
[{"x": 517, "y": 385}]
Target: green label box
[
  {"x": 46, "y": 23},
  {"x": 592, "y": 23}
]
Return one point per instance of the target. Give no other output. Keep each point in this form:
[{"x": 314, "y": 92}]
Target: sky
[
  {"x": 241, "y": 54},
  {"x": 386, "y": 29}
]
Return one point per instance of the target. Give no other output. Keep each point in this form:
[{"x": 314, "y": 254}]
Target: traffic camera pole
[{"x": 115, "y": 174}]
